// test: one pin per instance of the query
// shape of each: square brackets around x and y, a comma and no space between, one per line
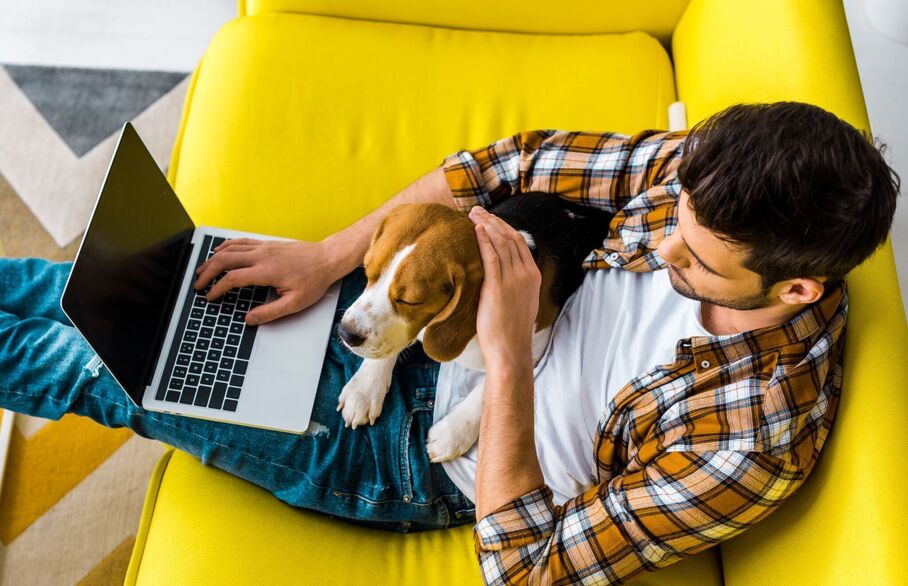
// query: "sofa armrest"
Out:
[848,523]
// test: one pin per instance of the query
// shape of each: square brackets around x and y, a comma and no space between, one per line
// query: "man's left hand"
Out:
[509,298]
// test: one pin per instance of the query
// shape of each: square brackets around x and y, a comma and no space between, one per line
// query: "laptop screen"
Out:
[124,279]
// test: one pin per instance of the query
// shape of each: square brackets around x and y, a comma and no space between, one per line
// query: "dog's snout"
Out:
[350,337]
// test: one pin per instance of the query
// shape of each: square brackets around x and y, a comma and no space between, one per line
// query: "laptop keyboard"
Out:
[210,352]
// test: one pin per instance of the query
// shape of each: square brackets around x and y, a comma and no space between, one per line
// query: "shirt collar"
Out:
[826,315]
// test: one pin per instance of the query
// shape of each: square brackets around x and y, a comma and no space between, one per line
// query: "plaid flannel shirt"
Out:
[689,453]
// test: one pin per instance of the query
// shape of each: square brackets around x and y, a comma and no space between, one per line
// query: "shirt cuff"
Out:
[465,180]
[523,521]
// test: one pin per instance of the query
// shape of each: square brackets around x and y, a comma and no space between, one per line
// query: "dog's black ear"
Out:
[450,331]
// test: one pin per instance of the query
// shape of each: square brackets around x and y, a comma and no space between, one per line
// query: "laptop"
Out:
[130,296]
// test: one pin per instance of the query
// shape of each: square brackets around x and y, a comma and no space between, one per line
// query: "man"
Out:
[756,215]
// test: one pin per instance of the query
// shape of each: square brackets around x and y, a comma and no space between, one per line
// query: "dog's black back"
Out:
[564,233]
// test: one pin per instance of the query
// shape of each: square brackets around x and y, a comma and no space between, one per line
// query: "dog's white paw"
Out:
[453,436]
[361,400]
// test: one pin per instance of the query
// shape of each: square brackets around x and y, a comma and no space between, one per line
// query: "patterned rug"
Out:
[73,490]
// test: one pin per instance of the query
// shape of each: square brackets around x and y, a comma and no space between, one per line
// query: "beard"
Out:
[682,287]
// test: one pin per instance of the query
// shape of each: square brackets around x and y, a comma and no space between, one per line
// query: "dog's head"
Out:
[424,270]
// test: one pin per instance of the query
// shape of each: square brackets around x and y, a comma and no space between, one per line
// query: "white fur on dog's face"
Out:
[372,316]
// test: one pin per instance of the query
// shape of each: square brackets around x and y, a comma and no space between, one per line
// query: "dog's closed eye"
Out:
[404,302]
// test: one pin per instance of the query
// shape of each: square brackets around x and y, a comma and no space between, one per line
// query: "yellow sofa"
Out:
[303,115]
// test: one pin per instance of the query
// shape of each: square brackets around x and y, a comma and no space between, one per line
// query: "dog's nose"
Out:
[351,338]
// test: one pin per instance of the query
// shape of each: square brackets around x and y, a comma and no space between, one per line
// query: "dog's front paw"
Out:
[452,436]
[361,401]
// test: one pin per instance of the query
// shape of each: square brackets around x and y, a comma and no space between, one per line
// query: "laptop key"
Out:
[242,305]
[217,395]
[206,332]
[199,355]
[220,332]
[223,376]
[214,355]
[173,396]
[217,343]
[230,297]
[183,359]
[195,368]
[207,379]
[260,294]
[233,339]
[230,351]
[233,392]
[176,384]
[236,380]
[197,313]
[194,324]
[201,397]
[202,344]
[239,316]
[211,367]
[190,336]
[188,395]
[224,320]
[236,328]
[186,347]
[210,321]
[227,363]
[199,302]
[245,350]
[212,308]
[179,371]
[230,405]
[239,366]
[192,380]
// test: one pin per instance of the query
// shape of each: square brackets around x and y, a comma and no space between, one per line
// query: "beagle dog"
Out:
[424,272]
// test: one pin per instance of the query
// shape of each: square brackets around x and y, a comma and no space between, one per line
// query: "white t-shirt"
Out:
[617,325]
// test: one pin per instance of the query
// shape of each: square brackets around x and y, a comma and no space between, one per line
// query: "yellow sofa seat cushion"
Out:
[298,125]
[201,525]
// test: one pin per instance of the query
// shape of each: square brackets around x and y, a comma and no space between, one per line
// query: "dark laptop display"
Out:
[132,255]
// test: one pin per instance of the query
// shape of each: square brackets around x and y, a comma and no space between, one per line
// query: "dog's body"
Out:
[424,273]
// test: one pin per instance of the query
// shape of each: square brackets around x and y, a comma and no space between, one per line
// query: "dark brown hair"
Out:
[802,191]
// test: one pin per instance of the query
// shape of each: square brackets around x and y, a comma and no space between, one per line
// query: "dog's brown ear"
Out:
[448,333]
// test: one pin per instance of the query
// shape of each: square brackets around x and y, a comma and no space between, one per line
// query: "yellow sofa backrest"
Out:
[656,17]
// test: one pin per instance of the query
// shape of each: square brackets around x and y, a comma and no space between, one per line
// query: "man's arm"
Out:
[606,170]
[303,270]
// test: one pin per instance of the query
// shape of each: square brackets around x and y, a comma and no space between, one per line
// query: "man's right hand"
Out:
[299,271]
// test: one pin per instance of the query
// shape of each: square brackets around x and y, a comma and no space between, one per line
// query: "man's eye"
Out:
[701,267]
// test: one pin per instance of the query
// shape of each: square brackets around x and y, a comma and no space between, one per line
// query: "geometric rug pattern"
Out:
[73,489]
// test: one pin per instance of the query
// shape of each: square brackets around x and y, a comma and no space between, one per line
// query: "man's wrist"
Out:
[341,254]
[509,366]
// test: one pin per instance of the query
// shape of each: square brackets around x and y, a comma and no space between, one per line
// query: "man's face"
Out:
[704,267]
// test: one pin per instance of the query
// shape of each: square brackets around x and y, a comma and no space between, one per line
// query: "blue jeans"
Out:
[375,475]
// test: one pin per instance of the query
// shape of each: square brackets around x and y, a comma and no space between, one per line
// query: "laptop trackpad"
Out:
[274,347]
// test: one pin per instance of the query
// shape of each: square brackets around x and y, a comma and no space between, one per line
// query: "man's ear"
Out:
[448,333]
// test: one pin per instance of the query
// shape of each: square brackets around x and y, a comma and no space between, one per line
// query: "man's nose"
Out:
[670,250]
[350,337]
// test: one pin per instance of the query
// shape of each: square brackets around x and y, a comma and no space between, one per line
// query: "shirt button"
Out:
[704,364]
[407,498]
[430,403]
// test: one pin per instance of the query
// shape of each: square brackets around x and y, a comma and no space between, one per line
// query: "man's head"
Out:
[779,201]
